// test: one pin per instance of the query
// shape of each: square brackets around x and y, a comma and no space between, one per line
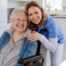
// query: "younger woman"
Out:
[46,31]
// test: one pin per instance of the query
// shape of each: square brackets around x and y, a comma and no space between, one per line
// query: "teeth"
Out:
[20,26]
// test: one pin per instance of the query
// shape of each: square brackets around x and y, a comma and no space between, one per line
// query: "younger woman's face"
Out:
[34,14]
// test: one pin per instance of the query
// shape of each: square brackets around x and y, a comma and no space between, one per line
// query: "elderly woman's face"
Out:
[34,14]
[19,22]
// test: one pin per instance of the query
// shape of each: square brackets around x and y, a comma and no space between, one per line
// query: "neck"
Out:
[19,33]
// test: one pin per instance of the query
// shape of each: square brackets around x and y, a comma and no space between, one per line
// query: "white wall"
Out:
[14,4]
[61,21]
[64,1]
[3,15]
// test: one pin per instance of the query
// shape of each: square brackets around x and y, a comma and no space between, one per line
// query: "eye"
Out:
[36,12]
[24,20]
[17,19]
[30,14]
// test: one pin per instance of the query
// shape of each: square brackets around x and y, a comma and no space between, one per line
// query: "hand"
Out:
[34,36]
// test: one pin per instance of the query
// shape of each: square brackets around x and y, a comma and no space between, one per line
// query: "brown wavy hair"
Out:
[44,16]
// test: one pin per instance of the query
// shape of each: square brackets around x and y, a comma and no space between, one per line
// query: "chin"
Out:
[36,23]
[22,31]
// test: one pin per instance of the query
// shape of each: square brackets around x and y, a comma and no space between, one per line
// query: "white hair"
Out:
[16,10]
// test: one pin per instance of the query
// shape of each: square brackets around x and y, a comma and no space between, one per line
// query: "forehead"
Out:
[34,8]
[20,15]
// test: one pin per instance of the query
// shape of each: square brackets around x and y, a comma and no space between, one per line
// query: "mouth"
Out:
[21,26]
[35,19]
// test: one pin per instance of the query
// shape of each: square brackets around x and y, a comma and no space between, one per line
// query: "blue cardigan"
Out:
[29,48]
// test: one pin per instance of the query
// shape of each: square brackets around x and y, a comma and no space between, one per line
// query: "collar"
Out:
[11,30]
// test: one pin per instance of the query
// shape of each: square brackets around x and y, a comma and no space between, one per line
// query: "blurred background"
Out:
[55,8]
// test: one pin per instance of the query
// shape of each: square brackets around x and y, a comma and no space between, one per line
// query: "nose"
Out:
[34,16]
[20,22]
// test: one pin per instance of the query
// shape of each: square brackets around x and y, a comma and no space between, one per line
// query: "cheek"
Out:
[14,24]
[25,25]
[40,16]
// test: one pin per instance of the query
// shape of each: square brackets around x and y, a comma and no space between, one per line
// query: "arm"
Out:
[52,30]
[50,44]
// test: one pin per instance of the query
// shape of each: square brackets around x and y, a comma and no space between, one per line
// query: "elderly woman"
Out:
[13,43]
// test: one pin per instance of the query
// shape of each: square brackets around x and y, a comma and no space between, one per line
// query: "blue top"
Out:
[51,30]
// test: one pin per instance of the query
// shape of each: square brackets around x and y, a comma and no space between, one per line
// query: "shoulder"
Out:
[51,24]
[5,37]
[5,34]
[49,18]
[52,27]
[50,21]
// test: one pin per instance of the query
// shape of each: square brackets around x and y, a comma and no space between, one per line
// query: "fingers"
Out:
[33,32]
[33,36]
[30,37]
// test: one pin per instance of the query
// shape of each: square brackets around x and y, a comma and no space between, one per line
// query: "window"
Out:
[53,4]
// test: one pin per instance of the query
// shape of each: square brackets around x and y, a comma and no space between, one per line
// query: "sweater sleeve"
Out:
[51,41]
[50,44]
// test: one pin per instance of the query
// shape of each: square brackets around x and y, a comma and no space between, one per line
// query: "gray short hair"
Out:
[16,10]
